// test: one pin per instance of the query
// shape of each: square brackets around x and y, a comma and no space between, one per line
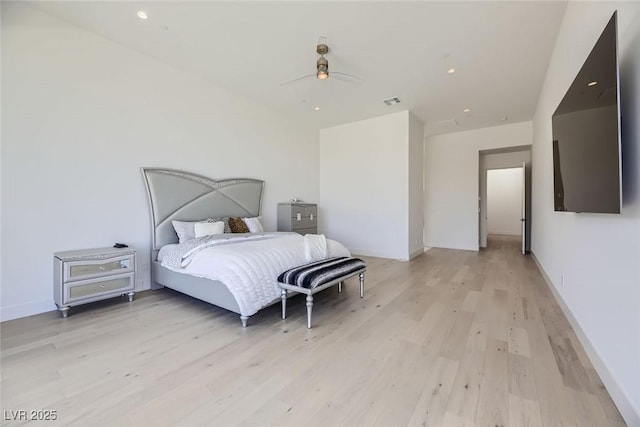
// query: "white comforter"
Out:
[250,264]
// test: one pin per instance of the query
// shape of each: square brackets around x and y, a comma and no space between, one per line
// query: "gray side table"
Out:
[298,217]
[84,276]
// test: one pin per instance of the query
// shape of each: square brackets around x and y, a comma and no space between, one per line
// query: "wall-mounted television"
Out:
[587,170]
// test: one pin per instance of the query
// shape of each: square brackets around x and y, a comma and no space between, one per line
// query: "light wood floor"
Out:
[453,338]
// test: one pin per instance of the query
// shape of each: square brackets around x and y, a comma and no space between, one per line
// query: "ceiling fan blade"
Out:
[345,77]
[299,78]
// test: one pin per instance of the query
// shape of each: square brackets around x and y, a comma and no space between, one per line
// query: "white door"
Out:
[524,210]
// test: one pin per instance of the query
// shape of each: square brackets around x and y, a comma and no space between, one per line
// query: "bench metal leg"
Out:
[283,297]
[309,308]
[244,319]
[339,286]
[361,285]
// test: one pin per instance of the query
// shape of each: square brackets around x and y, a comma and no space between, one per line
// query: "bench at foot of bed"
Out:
[317,276]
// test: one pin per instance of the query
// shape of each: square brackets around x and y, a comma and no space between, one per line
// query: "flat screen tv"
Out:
[587,170]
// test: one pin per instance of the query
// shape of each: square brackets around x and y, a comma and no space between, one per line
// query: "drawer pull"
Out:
[102,286]
[101,268]
[311,217]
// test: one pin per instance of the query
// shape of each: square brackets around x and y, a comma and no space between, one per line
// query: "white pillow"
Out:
[208,228]
[184,230]
[253,224]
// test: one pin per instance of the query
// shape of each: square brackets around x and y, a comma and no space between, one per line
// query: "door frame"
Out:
[507,158]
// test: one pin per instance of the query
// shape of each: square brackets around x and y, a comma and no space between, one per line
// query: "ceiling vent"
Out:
[392,101]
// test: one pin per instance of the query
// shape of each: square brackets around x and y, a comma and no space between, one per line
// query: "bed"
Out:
[176,195]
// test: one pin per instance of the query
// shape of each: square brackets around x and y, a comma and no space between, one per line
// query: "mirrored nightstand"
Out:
[91,275]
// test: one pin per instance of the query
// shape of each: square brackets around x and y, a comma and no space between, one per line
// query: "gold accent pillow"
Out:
[237,225]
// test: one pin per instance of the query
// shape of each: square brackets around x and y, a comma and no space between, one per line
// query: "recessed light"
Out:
[142,14]
[466,110]
[451,70]
[316,108]
[593,83]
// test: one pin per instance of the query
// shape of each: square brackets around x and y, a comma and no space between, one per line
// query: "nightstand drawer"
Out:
[310,212]
[297,210]
[84,289]
[85,269]
[303,223]
[304,231]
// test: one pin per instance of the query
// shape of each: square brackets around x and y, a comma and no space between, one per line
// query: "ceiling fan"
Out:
[322,67]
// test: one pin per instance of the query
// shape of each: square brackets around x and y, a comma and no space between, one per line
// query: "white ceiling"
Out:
[500,51]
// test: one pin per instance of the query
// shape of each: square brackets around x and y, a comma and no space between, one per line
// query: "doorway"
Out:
[505,206]
[519,159]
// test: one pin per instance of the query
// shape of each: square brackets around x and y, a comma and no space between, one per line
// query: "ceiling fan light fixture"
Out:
[322,48]
[323,68]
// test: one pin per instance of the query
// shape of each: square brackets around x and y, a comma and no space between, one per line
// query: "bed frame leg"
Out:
[309,308]
[339,287]
[361,285]
[283,297]
[244,319]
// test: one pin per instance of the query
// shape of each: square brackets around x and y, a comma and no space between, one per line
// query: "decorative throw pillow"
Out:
[184,230]
[227,228]
[238,226]
[253,224]
[208,228]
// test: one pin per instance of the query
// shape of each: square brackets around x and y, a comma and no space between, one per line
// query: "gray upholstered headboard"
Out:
[184,196]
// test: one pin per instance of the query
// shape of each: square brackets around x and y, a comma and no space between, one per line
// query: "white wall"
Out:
[452,182]
[81,115]
[593,260]
[504,201]
[364,191]
[416,186]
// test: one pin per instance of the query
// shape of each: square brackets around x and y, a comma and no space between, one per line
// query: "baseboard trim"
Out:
[364,252]
[457,248]
[416,253]
[627,409]
[17,311]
